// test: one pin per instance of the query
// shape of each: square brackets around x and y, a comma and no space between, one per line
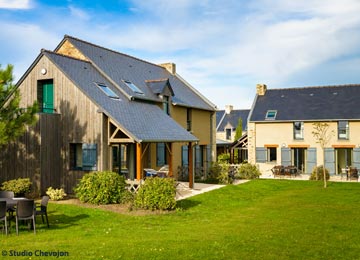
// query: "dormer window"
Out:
[133,87]
[166,105]
[107,90]
[271,115]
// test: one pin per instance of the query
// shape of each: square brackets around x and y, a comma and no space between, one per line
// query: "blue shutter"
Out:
[184,155]
[208,156]
[311,160]
[356,158]
[198,157]
[329,154]
[285,156]
[260,154]
[160,154]
[89,157]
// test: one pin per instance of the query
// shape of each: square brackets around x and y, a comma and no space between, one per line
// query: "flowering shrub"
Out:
[55,194]
[19,186]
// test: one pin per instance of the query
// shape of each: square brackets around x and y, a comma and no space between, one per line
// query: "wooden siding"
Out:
[68,49]
[78,122]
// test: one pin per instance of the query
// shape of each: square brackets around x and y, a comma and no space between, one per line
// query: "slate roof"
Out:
[223,119]
[142,121]
[121,67]
[309,103]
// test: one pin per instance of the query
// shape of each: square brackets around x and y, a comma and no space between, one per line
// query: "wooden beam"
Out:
[139,168]
[169,147]
[191,166]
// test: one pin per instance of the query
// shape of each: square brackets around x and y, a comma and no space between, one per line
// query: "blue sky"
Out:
[222,47]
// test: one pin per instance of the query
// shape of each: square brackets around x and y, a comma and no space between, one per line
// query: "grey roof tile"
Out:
[143,121]
[223,119]
[309,103]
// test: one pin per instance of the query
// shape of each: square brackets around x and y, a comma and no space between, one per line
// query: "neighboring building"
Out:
[226,123]
[104,110]
[281,124]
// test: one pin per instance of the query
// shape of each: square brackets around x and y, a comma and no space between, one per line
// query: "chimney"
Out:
[171,67]
[260,89]
[228,109]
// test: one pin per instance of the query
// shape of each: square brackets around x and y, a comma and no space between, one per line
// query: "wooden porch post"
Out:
[170,160]
[191,166]
[138,161]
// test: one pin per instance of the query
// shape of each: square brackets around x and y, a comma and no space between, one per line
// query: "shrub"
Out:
[247,171]
[19,186]
[101,188]
[156,193]
[320,174]
[223,158]
[55,194]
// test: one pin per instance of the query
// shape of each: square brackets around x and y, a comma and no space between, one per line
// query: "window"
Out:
[166,105]
[133,87]
[271,114]
[83,157]
[107,90]
[45,96]
[299,130]
[188,119]
[271,154]
[228,133]
[160,154]
[343,130]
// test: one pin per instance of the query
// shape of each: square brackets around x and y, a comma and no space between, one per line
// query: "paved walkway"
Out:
[183,191]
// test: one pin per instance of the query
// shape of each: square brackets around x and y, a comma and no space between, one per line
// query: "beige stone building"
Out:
[281,122]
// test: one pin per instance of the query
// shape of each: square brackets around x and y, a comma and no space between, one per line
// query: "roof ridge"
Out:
[111,50]
[317,87]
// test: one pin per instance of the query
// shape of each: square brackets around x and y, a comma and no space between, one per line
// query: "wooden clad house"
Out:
[104,110]
[281,124]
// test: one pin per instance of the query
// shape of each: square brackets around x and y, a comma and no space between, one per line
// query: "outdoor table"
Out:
[11,202]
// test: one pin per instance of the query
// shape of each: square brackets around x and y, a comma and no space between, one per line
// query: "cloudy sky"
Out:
[222,47]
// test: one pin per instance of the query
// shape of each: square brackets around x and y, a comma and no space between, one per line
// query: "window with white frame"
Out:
[298,130]
[343,130]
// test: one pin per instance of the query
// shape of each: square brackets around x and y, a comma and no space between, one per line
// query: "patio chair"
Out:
[8,195]
[25,211]
[3,217]
[42,209]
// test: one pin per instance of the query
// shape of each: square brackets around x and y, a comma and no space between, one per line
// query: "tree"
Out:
[13,118]
[323,136]
[238,131]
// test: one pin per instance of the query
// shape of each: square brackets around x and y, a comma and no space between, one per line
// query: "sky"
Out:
[223,48]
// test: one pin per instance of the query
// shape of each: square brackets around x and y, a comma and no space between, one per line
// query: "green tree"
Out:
[323,136]
[238,131]
[13,118]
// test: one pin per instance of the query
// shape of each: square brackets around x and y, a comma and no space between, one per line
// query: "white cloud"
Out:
[15,4]
[78,13]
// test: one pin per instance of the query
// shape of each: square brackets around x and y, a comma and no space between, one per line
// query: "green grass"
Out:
[261,219]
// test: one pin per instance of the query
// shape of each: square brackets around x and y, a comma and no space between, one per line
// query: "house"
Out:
[281,121]
[226,123]
[104,110]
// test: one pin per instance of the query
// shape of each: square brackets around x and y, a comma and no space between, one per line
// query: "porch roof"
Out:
[141,121]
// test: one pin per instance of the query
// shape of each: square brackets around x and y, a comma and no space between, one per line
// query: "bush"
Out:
[156,193]
[223,158]
[19,186]
[319,171]
[247,171]
[101,188]
[55,194]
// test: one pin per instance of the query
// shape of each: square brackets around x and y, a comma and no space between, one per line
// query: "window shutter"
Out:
[356,158]
[89,157]
[330,160]
[184,155]
[160,154]
[311,160]
[285,156]
[260,154]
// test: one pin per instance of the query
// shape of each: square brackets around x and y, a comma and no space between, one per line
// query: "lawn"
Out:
[261,219]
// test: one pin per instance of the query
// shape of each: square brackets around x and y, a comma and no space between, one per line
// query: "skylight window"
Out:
[133,87]
[107,90]
[271,114]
